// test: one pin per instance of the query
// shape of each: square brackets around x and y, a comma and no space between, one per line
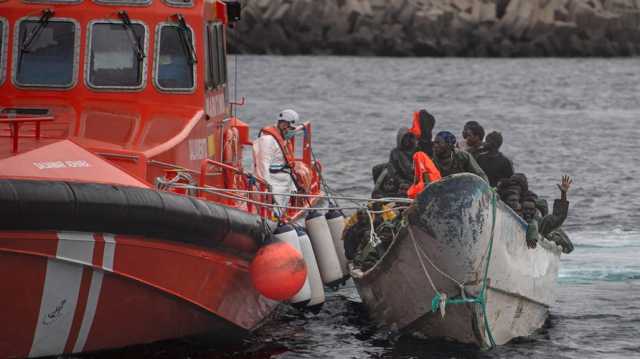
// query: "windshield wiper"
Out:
[33,35]
[135,40]
[185,37]
[47,14]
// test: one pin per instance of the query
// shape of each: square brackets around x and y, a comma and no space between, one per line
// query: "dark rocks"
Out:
[505,28]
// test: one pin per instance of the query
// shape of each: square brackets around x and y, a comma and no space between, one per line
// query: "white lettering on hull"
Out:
[61,164]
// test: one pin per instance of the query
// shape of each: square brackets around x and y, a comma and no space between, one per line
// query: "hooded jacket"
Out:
[422,128]
[401,159]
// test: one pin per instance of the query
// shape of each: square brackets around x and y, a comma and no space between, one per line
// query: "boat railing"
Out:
[16,119]
[237,179]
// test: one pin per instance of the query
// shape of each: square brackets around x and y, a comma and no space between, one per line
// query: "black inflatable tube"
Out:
[90,207]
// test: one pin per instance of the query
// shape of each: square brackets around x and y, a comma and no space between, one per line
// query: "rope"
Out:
[373,236]
[440,299]
[424,268]
[269,205]
[291,194]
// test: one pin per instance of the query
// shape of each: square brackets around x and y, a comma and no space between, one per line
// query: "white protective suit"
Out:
[267,153]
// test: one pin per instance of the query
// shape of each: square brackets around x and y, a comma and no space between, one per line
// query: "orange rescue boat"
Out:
[114,122]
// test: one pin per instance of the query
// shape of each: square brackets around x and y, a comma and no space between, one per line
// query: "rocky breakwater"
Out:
[440,27]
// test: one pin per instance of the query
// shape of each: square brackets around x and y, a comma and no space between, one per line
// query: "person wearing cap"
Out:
[496,165]
[451,160]
[273,156]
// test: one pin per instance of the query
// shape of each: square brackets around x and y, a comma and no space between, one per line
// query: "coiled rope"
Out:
[440,299]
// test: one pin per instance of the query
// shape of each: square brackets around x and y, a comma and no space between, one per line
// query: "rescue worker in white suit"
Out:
[273,156]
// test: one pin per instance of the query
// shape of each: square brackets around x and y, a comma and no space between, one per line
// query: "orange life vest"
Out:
[285,146]
[422,164]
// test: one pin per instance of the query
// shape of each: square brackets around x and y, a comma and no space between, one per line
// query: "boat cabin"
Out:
[139,83]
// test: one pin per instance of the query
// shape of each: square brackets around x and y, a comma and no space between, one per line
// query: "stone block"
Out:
[360,7]
[405,15]
[631,20]
[483,12]
[464,5]
[264,4]
[378,4]
[275,6]
[593,23]
[620,6]
[280,13]
[516,20]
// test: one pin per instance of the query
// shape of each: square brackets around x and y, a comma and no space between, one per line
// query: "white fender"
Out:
[323,247]
[313,272]
[288,234]
[335,219]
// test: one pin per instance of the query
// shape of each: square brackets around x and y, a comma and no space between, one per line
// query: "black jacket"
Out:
[496,166]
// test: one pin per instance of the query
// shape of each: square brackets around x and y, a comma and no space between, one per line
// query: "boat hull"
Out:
[452,233]
[70,292]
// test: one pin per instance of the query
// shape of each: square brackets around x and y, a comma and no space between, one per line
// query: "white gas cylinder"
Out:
[313,272]
[335,220]
[326,256]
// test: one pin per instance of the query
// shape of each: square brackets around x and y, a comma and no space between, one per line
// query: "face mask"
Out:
[289,135]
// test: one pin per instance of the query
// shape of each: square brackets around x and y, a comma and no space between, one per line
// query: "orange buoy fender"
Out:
[278,271]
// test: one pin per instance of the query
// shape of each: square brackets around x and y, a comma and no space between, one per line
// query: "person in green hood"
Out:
[396,177]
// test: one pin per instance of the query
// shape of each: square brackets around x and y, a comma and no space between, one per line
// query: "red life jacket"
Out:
[285,146]
[422,164]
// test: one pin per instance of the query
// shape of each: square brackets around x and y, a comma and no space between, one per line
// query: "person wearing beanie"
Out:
[451,160]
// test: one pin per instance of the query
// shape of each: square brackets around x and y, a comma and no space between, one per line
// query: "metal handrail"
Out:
[261,184]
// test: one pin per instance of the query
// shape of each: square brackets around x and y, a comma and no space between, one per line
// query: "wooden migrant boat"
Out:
[114,119]
[461,270]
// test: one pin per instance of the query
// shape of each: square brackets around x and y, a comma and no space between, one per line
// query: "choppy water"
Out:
[557,116]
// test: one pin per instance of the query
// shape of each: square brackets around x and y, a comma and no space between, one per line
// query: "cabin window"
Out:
[124,2]
[117,55]
[216,60]
[175,58]
[3,48]
[53,1]
[179,3]
[45,52]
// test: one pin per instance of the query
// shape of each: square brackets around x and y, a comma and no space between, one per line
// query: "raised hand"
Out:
[566,184]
